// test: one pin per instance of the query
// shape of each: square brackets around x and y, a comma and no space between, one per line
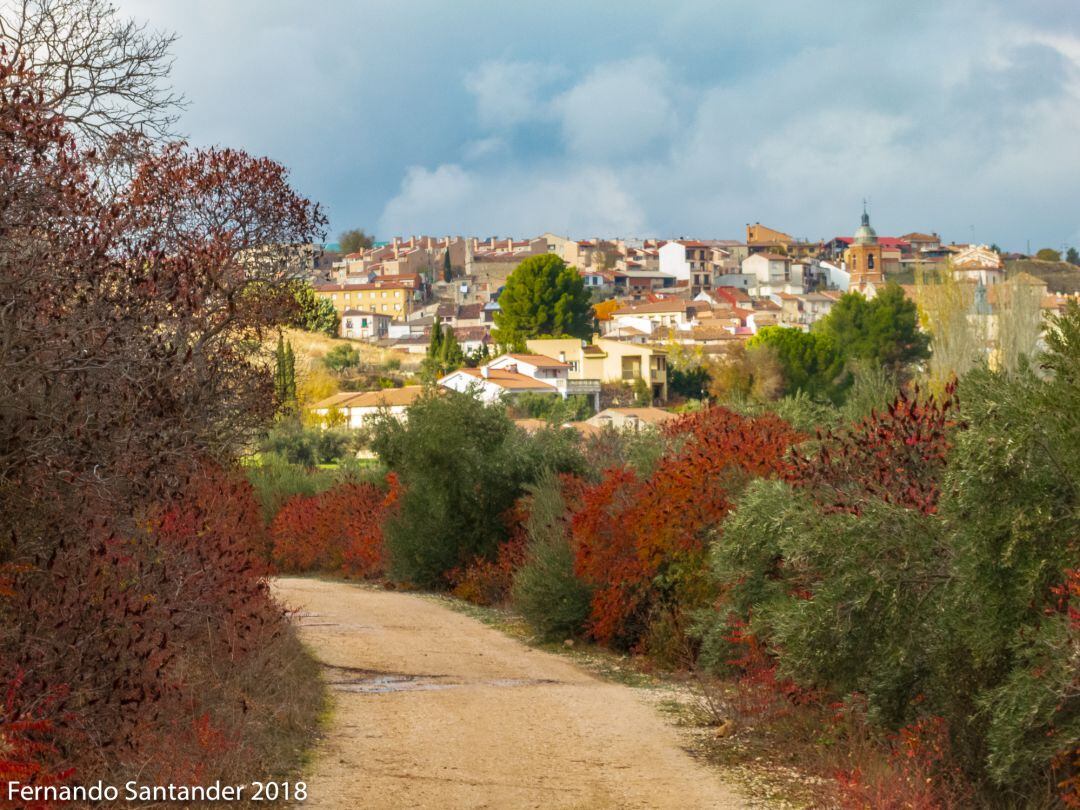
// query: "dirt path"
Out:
[433,709]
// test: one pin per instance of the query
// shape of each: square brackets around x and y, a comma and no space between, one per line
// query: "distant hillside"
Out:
[1059,276]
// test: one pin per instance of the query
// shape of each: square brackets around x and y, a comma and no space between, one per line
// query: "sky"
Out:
[661,119]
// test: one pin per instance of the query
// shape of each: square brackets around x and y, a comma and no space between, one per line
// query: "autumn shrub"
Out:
[275,481]
[488,581]
[336,531]
[182,642]
[138,638]
[546,591]
[640,542]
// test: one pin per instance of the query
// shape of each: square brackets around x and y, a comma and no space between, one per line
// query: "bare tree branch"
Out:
[108,76]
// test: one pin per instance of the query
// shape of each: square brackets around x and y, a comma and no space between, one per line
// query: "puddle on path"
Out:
[376,682]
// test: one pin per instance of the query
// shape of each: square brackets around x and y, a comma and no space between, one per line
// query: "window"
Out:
[397,306]
[384,294]
[870,261]
[573,365]
[384,307]
[363,323]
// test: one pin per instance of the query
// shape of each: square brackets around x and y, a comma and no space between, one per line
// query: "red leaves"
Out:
[112,635]
[896,456]
[918,772]
[337,530]
[627,531]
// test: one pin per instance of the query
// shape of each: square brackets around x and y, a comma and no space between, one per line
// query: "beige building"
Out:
[383,297]
[978,263]
[610,361]
[631,418]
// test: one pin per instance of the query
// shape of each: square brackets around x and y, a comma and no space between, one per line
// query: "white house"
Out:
[511,374]
[773,274]
[673,261]
[363,325]
[357,408]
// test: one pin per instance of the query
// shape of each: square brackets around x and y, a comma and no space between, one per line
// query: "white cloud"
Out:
[508,93]
[485,148]
[578,200]
[619,110]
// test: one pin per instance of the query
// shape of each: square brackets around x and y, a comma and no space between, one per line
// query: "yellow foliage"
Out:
[604,309]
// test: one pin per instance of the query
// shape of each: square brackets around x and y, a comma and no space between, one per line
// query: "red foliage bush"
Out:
[339,530]
[640,543]
[488,582]
[759,691]
[896,456]
[916,772]
[93,689]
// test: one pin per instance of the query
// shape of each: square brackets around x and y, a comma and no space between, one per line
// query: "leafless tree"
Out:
[108,76]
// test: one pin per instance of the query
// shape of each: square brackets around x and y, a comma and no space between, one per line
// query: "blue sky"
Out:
[681,118]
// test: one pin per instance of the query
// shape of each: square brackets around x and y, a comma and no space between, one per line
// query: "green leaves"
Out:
[883,330]
[542,298]
[812,363]
[314,313]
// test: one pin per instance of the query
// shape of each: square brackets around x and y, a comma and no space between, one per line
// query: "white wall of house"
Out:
[839,277]
[364,325]
[765,269]
[488,392]
[673,260]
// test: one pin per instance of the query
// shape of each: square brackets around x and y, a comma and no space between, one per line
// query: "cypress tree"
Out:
[450,354]
[448,272]
[435,346]
[279,370]
[289,377]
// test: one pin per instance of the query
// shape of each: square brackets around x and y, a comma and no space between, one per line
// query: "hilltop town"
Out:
[649,297]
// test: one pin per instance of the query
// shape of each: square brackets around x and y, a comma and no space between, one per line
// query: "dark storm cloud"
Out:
[686,117]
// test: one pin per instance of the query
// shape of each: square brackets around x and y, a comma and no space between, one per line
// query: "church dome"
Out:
[865,235]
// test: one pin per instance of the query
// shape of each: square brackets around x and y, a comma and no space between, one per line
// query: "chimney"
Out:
[397,242]
[412,241]
[485,372]
[493,243]
[510,244]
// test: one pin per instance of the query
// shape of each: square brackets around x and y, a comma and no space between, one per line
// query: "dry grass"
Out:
[313,381]
[311,347]
[1059,276]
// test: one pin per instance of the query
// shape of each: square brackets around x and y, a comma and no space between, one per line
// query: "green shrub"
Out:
[462,466]
[554,409]
[546,592]
[341,358]
[275,480]
[963,608]
[307,446]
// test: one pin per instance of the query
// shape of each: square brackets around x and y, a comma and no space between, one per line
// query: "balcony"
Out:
[582,387]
